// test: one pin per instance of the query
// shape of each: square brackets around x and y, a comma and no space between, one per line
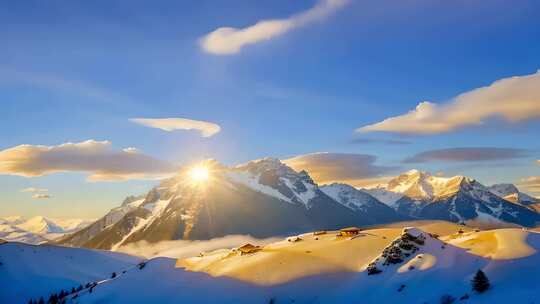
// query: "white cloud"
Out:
[94,157]
[41,196]
[513,99]
[229,40]
[207,129]
[34,190]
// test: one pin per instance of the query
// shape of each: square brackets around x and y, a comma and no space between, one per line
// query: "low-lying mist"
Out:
[184,249]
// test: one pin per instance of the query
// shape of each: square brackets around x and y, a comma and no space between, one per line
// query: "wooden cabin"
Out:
[248,248]
[294,239]
[350,231]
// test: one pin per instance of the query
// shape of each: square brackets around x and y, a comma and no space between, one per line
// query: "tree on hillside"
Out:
[480,282]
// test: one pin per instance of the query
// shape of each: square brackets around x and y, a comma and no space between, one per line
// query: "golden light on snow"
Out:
[199,174]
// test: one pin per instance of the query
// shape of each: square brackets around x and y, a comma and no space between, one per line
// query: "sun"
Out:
[199,174]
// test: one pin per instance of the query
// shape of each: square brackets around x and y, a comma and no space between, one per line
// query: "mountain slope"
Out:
[261,198]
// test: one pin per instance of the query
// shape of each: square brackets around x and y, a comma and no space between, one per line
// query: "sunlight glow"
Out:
[199,174]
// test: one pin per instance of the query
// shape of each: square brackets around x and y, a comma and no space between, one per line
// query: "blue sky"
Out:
[72,71]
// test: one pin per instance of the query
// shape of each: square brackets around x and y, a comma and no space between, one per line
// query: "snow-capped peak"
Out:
[511,193]
[349,196]
[266,164]
[418,184]
[40,225]
[272,177]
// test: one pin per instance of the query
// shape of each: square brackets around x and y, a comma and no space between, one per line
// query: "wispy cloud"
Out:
[41,196]
[34,190]
[94,157]
[339,167]
[380,141]
[513,99]
[469,154]
[206,128]
[230,40]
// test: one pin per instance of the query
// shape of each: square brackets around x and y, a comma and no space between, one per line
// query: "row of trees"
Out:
[60,297]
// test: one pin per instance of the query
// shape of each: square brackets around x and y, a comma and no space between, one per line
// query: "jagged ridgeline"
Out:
[261,198]
[267,198]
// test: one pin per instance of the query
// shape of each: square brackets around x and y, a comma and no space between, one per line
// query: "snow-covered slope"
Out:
[332,269]
[262,198]
[459,199]
[30,271]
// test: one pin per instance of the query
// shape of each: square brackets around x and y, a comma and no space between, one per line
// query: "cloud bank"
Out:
[531,183]
[466,155]
[207,129]
[41,196]
[34,190]
[94,157]
[184,249]
[380,141]
[229,40]
[513,99]
[355,169]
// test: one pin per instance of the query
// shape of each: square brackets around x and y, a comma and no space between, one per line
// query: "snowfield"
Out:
[324,268]
[31,271]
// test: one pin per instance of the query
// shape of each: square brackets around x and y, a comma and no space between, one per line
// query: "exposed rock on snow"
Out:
[408,243]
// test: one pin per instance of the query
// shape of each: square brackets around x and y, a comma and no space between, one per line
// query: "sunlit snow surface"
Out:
[331,269]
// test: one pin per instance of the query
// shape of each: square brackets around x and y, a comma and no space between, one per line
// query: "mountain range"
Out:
[267,198]
[38,229]
[457,199]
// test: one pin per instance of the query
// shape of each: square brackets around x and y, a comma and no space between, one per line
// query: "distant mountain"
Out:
[261,198]
[15,234]
[459,199]
[361,202]
[37,229]
[40,225]
[511,193]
